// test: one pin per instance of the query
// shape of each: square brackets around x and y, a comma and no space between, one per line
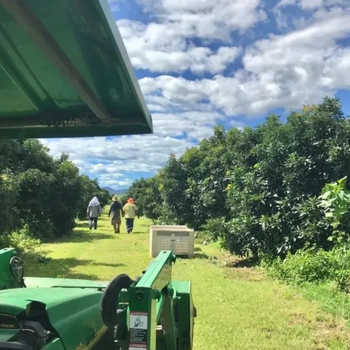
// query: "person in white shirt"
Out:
[93,212]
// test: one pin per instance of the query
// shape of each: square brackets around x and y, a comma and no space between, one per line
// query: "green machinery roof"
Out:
[64,72]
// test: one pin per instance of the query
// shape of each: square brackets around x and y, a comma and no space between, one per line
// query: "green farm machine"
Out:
[151,312]
[64,72]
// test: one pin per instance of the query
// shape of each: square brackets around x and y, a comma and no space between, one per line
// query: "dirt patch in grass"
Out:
[239,268]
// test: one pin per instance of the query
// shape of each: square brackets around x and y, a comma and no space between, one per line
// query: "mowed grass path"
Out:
[238,308]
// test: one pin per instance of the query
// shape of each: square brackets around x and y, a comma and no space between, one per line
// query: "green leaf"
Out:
[342,182]
[335,224]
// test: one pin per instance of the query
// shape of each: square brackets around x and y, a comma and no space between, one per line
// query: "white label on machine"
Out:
[138,330]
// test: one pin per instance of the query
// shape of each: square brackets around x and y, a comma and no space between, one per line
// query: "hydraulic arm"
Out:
[153,312]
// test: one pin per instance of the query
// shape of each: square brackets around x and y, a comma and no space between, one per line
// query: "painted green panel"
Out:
[59,60]
[11,98]
[6,279]
[73,312]
[38,282]
[56,344]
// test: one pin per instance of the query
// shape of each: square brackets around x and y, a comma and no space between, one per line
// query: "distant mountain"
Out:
[113,191]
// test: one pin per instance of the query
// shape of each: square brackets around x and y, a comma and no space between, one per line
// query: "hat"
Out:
[130,200]
[114,198]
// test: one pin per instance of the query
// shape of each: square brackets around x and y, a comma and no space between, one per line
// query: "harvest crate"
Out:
[178,239]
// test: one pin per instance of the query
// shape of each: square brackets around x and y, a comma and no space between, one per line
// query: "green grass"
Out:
[238,308]
[332,300]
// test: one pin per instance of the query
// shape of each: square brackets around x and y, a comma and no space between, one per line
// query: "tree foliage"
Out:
[91,188]
[258,189]
[150,202]
[39,193]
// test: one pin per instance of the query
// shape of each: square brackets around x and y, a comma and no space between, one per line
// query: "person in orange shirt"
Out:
[130,212]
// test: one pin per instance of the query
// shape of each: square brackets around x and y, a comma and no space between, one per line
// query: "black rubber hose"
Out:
[109,300]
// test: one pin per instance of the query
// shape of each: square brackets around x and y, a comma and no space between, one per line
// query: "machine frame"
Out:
[151,313]
[65,72]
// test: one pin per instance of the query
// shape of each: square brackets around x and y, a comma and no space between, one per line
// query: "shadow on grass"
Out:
[82,224]
[107,264]
[81,235]
[201,256]
[248,262]
[39,265]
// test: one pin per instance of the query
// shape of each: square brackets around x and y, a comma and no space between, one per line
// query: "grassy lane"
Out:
[238,308]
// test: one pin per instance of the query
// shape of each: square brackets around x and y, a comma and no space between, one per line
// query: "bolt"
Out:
[157,294]
[139,295]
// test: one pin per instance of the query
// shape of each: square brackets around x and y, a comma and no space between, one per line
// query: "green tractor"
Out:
[64,72]
[151,312]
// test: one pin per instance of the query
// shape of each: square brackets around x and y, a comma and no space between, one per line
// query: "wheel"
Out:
[109,300]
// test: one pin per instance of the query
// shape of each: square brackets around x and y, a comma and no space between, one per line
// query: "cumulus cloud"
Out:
[162,48]
[284,3]
[312,4]
[167,43]
[114,4]
[194,125]
[286,70]
[210,19]
[113,158]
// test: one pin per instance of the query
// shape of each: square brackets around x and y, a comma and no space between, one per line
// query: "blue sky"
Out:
[206,62]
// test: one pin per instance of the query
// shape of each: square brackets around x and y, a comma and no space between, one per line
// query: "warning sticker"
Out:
[136,347]
[138,330]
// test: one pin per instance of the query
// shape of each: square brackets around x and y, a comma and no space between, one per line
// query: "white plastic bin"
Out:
[178,239]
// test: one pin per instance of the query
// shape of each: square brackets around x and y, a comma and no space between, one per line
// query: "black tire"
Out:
[109,300]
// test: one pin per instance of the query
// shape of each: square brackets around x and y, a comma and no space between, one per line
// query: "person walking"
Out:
[93,212]
[130,211]
[115,214]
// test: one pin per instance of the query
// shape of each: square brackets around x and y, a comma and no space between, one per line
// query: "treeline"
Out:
[41,194]
[260,189]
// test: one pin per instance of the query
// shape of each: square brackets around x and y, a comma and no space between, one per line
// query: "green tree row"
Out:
[40,192]
[258,188]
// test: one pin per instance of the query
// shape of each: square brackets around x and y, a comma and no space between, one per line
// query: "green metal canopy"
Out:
[64,72]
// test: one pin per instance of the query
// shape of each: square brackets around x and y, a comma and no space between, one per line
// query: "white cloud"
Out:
[280,18]
[210,19]
[104,169]
[114,4]
[109,180]
[167,43]
[284,3]
[312,4]
[196,125]
[177,90]
[162,48]
[112,158]
[281,71]
[300,67]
